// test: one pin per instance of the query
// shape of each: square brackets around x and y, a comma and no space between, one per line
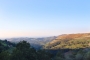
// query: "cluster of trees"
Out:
[80,54]
[23,51]
[6,45]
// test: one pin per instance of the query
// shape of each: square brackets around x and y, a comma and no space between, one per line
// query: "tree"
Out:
[24,51]
[59,56]
[43,55]
[5,55]
[87,56]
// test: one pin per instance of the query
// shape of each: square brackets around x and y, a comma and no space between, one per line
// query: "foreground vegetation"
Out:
[23,51]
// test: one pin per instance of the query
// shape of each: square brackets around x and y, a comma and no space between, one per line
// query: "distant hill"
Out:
[35,42]
[69,41]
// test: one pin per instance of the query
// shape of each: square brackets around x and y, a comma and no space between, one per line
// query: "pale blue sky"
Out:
[37,18]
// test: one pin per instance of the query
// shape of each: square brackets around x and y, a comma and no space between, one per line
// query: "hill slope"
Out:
[70,41]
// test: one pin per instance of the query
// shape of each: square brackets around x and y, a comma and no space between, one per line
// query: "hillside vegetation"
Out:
[37,43]
[70,41]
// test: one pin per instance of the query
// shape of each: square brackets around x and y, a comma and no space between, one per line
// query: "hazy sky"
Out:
[37,18]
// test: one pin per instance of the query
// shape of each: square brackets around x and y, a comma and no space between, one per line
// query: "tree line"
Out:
[23,51]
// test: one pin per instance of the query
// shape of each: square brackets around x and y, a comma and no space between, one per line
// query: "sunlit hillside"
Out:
[70,41]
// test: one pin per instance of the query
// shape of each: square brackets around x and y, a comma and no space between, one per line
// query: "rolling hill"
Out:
[70,41]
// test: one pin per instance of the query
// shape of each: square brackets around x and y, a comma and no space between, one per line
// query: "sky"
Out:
[41,18]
